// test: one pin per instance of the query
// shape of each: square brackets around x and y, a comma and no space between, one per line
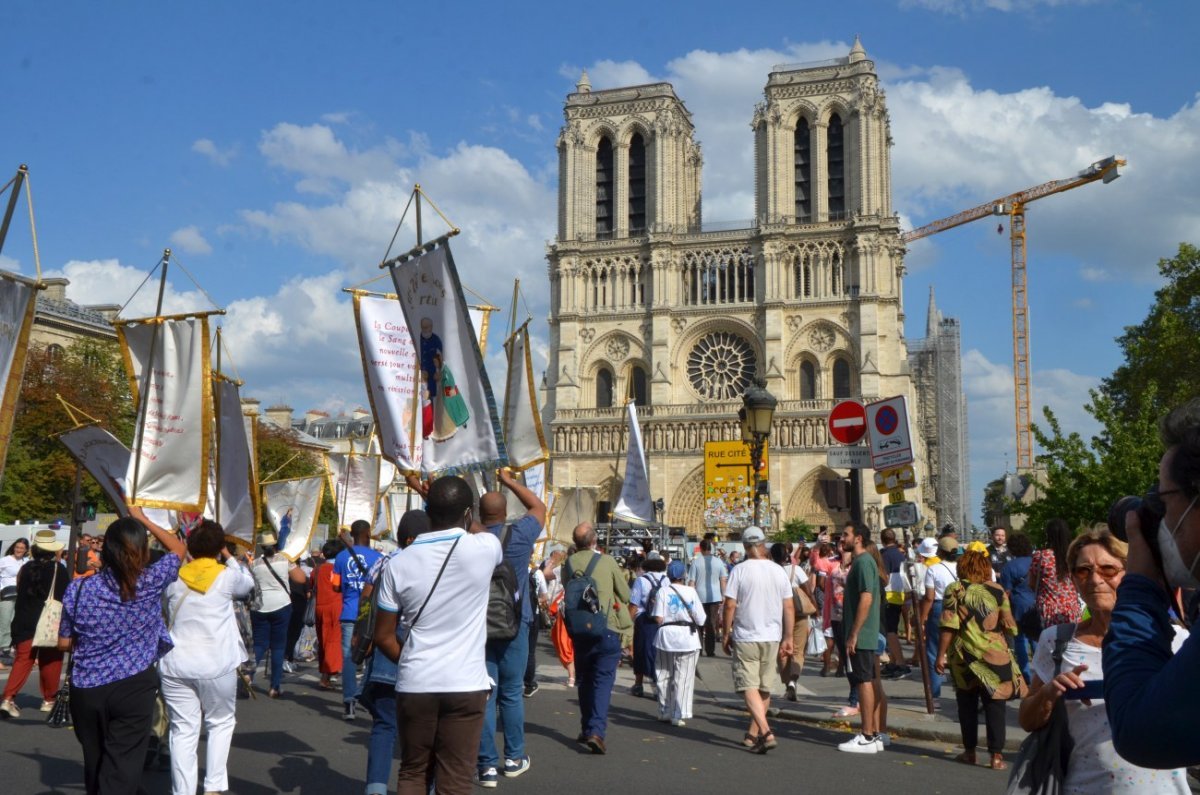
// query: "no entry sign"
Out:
[848,422]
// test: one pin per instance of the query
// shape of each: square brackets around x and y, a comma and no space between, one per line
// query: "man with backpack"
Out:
[351,574]
[595,608]
[511,611]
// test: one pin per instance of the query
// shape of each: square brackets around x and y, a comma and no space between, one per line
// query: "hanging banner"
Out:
[354,483]
[635,504]
[462,433]
[572,505]
[230,502]
[103,457]
[173,433]
[523,435]
[392,506]
[17,304]
[390,369]
[534,479]
[250,424]
[292,507]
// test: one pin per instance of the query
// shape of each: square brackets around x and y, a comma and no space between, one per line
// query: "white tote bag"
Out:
[45,636]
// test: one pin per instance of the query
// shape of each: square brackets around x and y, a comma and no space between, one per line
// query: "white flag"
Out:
[354,483]
[250,423]
[635,504]
[390,368]
[523,435]
[103,457]
[292,507]
[173,434]
[230,501]
[462,431]
[17,304]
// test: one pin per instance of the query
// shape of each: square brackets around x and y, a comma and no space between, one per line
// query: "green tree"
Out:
[793,531]
[281,457]
[39,476]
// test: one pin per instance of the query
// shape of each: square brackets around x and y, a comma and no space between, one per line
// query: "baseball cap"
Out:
[928,548]
[948,544]
[753,535]
[676,570]
[654,554]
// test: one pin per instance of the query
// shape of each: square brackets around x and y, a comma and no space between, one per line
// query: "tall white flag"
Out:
[390,368]
[635,504]
[230,499]
[172,439]
[354,483]
[522,421]
[292,507]
[17,304]
[461,432]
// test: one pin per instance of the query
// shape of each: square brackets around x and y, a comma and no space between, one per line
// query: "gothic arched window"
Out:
[637,386]
[605,195]
[841,378]
[803,169]
[835,157]
[604,388]
[808,381]
[637,184]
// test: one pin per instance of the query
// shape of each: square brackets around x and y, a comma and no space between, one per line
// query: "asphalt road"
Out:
[299,744]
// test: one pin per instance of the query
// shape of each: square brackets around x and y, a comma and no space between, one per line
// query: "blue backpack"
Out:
[581,602]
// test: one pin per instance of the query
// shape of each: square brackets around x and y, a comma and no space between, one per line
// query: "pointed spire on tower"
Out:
[584,86]
[857,53]
[934,319]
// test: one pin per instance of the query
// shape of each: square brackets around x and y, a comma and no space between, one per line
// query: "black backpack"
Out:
[503,610]
[581,607]
[653,595]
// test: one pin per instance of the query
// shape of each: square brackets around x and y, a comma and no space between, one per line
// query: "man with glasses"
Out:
[1153,697]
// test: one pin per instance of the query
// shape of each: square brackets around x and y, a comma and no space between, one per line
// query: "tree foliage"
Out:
[39,476]
[794,530]
[281,457]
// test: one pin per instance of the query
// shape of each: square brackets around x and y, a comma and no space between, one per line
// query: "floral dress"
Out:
[979,656]
[1057,600]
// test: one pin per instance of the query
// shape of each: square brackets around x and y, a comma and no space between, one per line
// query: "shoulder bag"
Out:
[45,636]
[60,713]
[256,598]
[1041,764]
[803,603]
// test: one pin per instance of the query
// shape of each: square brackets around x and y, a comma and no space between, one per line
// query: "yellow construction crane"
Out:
[1013,206]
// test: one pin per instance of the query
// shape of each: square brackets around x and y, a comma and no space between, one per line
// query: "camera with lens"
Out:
[1149,512]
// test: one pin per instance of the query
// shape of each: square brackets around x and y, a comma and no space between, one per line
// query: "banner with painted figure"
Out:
[572,505]
[103,457]
[354,484]
[461,432]
[230,500]
[523,435]
[292,507]
[390,369]
[635,504]
[18,299]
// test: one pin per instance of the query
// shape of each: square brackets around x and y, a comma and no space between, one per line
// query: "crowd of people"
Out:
[1085,635]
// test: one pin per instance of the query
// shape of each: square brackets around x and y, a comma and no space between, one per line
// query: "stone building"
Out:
[59,322]
[936,364]
[650,302]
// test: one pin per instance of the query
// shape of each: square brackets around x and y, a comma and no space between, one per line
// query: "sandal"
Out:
[769,740]
[749,740]
[998,762]
[967,758]
[760,746]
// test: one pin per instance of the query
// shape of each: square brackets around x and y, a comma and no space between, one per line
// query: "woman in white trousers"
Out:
[199,676]
[680,616]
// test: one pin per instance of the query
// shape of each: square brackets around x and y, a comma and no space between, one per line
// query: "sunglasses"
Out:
[1106,571]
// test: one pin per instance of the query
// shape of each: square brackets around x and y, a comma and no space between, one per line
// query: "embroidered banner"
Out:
[635,504]
[230,500]
[17,304]
[390,369]
[292,507]
[523,435]
[172,439]
[354,483]
[460,429]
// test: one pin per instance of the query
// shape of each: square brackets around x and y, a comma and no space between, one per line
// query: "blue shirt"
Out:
[1015,579]
[706,571]
[1152,697]
[352,579]
[517,551]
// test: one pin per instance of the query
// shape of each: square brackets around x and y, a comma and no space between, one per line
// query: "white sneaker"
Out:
[288,668]
[7,707]
[47,706]
[884,738]
[678,722]
[858,744]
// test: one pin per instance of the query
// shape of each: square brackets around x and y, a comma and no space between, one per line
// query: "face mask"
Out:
[1178,574]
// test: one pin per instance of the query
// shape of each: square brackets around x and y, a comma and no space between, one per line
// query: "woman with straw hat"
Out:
[42,577]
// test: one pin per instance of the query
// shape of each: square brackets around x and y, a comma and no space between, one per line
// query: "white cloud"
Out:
[107,281]
[322,160]
[7,263]
[221,157]
[341,117]
[190,240]
[961,7]
[1092,274]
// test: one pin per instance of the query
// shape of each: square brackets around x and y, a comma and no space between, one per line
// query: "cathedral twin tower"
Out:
[651,303]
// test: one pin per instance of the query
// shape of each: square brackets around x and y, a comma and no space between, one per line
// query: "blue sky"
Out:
[272,146]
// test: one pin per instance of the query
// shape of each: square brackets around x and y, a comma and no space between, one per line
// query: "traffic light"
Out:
[85,512]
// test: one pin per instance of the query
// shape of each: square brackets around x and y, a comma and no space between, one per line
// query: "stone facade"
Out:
[58,322]
[649,303]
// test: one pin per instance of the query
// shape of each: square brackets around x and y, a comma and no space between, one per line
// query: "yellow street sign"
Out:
[729,484]
[896,497]
[888,480]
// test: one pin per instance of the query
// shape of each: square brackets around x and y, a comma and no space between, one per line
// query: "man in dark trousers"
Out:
[506,659]
[708,576]
[351,574]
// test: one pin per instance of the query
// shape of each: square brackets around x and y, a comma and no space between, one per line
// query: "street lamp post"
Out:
[756,416]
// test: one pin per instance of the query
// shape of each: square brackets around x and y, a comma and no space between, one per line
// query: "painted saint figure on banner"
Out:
[285,527]
[443,409]
[431,355]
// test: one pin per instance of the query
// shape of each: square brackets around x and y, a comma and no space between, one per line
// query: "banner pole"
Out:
[148,369]
[17,182]
[76,525]
[417,195]
[217,430]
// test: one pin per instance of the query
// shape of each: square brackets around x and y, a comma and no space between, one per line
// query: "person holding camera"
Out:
[1152,695]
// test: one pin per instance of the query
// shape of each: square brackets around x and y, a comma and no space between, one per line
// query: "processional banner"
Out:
[231,485]
[390,369]
[523,435]
[172,438]
[635,504]
[292,507]
[354,483]
[461,432]
[103,457]
[17,304]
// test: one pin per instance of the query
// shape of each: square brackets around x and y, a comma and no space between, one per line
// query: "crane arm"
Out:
[1106,170]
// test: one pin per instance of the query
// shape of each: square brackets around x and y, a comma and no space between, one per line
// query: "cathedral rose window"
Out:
[720,366]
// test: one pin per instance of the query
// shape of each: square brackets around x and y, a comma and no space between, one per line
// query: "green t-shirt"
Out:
[863,578]
[611,587]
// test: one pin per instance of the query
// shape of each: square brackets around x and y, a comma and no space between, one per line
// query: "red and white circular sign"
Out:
[848,422]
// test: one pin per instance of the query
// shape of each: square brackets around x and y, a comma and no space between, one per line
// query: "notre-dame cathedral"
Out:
[652,303]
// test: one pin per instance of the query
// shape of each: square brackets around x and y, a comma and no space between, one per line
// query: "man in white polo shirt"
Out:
[438,589]
[758,620]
